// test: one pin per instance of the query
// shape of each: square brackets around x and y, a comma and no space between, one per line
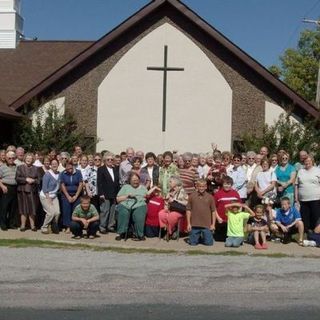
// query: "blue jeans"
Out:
[233,242]
[200,235]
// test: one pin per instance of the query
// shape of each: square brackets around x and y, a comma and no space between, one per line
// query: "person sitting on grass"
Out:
[201,215]
[236,219]
[258,229]
[85,217]
[288,220]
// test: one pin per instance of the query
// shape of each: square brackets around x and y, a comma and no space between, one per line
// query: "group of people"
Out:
[214,196]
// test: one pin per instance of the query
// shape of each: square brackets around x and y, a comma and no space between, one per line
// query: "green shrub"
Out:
[51,130]
[286,134]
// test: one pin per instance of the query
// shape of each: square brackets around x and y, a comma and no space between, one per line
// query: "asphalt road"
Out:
[74,284]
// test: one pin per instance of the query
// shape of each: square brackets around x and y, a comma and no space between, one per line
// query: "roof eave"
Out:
[197,20]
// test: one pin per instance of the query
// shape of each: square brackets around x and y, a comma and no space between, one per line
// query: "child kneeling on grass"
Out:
[288,220]
[236,218]
[258,229]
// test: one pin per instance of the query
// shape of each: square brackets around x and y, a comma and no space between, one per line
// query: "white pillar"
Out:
[11,23]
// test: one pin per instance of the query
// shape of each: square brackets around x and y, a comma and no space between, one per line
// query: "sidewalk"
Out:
[108,241]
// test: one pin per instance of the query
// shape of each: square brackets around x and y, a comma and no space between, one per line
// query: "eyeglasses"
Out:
[109,159]
[274,160]
[187,160]
[250,158]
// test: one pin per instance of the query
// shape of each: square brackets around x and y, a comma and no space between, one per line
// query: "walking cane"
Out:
[130,215]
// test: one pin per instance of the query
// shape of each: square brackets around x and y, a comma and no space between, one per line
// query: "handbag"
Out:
[177,207]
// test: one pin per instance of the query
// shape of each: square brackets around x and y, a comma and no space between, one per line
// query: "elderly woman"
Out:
[274,162]
[64,158]
[265,185]
[27,177]
[45,166]
[215,175]
[49,198]
[253,168]
[227,159]
[167,170]
[202,168]
[180,162]
[151,170]
[308,193]
[71,188]
[168,217]
[286,176]
[132,203]
[83,166]
[91,182]
[189,174]
[144,176]
[239,177]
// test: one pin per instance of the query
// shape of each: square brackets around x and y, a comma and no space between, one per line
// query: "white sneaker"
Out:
[309,243]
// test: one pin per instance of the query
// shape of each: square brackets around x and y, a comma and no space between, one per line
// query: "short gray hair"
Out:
[65,154]
[177,180]
[251,153]
[10,154]
[107,154]
[187,155]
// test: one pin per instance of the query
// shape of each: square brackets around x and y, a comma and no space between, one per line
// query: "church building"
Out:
[163,79]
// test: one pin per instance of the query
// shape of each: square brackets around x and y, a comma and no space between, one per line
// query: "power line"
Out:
[299,26]
[312,8]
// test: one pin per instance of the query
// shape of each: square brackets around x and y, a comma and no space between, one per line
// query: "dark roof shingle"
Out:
[31,62]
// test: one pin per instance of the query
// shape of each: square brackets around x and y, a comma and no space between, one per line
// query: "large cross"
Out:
[165,69]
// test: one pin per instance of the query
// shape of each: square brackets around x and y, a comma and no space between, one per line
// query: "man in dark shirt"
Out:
[201,215]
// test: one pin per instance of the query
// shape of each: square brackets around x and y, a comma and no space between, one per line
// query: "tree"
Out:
[50,129]
[288,135]
[299,67]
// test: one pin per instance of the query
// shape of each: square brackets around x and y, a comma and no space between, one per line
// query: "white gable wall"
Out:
[199,100]
[273,112]
[59,103]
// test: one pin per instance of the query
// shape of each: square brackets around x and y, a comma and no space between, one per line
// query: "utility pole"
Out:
[317,22]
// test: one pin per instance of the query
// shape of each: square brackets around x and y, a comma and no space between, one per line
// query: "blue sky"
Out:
[262,28]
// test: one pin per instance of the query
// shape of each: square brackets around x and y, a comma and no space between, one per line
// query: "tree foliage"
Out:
[286,134]
[49,129]
[299,67]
